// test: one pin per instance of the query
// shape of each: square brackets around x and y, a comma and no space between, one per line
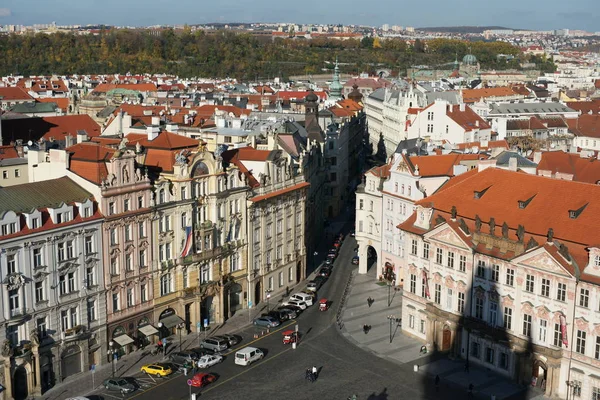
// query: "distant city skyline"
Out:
[533,14]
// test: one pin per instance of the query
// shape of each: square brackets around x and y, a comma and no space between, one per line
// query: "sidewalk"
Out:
[402,349]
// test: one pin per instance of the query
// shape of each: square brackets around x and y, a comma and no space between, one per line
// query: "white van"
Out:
[248,355]
[305,297]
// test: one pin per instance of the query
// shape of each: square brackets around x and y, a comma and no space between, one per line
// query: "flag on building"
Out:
[426,283]
[187,245]
[563,330]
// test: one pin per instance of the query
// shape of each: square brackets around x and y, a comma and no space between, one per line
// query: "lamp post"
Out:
[389,285]
[112,352]
[268,293]
[179,329]
[392,319]
[315,254]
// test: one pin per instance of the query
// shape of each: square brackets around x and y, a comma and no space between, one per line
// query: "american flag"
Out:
[187,246]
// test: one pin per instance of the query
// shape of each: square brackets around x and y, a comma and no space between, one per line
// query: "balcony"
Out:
[18,315]
[74,333]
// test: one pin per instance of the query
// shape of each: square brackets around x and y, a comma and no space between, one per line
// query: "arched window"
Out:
[200,169]
[396,187]
[409,190]
[402,192]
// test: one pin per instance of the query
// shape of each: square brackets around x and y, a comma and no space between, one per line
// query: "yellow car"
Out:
[157,369]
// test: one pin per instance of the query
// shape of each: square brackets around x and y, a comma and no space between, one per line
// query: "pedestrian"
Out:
[437,383]
[466,366]
[164,345]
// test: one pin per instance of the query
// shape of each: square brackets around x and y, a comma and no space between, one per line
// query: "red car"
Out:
[202,379]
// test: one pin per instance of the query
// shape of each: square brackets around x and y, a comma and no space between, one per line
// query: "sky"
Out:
[517,14]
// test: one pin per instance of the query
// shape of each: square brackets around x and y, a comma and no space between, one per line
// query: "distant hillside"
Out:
[461,29]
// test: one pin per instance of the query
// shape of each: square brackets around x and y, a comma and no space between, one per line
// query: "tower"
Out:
[335,89]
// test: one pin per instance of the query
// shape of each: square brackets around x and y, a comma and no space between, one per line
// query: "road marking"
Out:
[231,352]
[114,397]
[246,370]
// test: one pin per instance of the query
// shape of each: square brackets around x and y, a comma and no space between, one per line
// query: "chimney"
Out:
[512,164]
[171,127]
[152,131]
[462,107]
[69,141]
[81,137]
[477,123]
[537,157]
[156,121]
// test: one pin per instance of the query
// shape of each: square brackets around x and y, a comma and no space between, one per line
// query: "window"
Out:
[290,274]
[360,226]
[128,233]
[461,302]
[39,292]
[11,261]
[527,325]
[597,351]
[529,283]
[165,284]
[111,208]
[439,255]
[61,252]
[143,293]
[114,266]
[429,128]
[493,315]
[370,228]
[561,291]
[462,263]
[489,355]
[479,308]
[413,283]
[481,269]
[584,297]
[414,247]
[423,287]
[557,335]
[5,174]
[140,200]
[70,252]
[270,283]
[71,279]
[113,236]
[545,287]
[430,116]
[234,264]
[161,196]
[449,300]
[411,321]
[89,276]
[503,363]
[422,326]
[279,226]
[183,193]
[360,204]
[89,244]
[37,257]
[91,310]
[543,328]
[280,279]
[370,205]
[475,349]
[438,293]
[35,223]
[64,320]
[62,285]
[426,250]
[269,230]
[507,318]
[129,297]
[41,327]
[450,259]
[17,173]
[141,230]
[126,205]
[142,258]
[128,262]
[115,301]
[495,276]
[510,277]
[73,315]
[580,345]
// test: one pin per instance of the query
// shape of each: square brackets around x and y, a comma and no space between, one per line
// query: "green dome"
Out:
[469,59]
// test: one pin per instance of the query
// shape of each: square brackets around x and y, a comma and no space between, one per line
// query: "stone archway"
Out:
[20,387]
[257,293]
[71,361]
[235,298]
[539,372]
[371,257]
[47,375]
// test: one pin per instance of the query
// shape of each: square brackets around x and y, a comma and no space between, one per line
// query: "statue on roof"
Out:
[521,233]
[550,235]
[477,223]
[505,230]
[453,212]
[492,226]
[180,158]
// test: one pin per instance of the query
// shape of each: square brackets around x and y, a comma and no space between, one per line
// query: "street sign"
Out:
[205,321]
[189,382]
[249,304]
[93,368]
[198,325]
[268,295]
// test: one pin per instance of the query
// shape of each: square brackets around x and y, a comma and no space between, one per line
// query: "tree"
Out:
[367,42]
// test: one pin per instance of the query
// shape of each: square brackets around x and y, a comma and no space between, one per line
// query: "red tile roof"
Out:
[61,102]
[474,95]
[468,119]
[437,165]
[382,171]
[207,111]
[585,106]
[140,87]
[585,125]
[299,95]
[164,141]
[62,126]
[279,192]
[13,94]
[491,144]
[582,169]
[88,160]
[8,152]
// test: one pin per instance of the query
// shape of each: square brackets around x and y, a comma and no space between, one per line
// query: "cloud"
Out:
[5,12]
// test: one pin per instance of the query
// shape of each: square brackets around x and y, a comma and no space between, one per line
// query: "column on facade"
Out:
[362,259]
[37,387]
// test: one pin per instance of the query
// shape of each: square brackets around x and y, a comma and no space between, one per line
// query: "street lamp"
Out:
[392,319]
[112,353]
[315,254]
[268,293]
[389,285]
[180,328]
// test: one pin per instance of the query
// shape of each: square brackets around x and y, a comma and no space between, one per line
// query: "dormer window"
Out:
[525,203]
[7,229]
[35,223]
[479,193]
[597,260]
[42,86]
[573,214]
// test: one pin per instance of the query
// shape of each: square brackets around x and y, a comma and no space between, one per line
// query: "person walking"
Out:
[314,372]
[164,345]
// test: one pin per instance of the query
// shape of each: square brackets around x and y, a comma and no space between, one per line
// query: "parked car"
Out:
[269,322]
[292,307]
[202,379]
[325,271]
[209,361]
[288,312]
[328,262]
[312,286]
[278,315]
[297,303]
[306,296]
[181,357]
[353,233]
[118,384]
[232,339]
[320,281]
[157,369]
[204,351]
[355,260]
[215,343]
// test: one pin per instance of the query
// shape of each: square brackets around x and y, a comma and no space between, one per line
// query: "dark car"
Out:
[274,314]
[181,357]
[120,384]
[355,260]
[320,280]
[204,351]
[232,339]
[325,272]
[288,312]
[294,308]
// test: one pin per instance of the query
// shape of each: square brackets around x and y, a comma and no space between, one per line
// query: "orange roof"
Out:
[437,165]
[582,169]
[208,110]
[585,106]
[585,125]
[88,160]
[468,119]
[61,102]
[382,171]
[491,144]
[14,93]
[474,95]
[280,192]
[164,141]
[8,152]
[299,95]
[140,87]
[251,154]
[349,105]
[61,126]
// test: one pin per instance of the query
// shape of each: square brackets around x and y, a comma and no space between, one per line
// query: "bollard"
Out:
[416,368]
[294,345]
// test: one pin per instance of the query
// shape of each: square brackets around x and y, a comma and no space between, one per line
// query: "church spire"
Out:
[335,89]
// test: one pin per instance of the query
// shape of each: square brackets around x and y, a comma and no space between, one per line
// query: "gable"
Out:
[541,260]
[445,234]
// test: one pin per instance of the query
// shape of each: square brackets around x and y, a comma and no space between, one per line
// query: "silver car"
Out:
[216,344]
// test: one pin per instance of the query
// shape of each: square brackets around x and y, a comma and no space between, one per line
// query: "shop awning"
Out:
[171,321]
[148,330]
[123,340]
